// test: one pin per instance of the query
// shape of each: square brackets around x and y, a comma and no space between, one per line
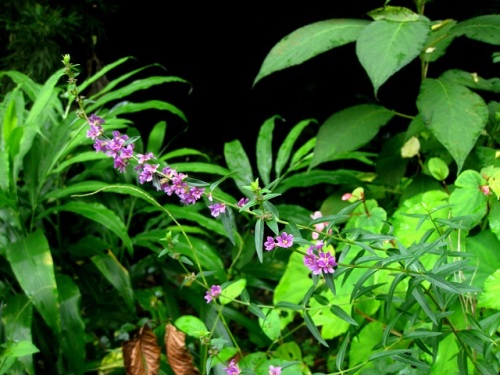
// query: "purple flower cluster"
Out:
[323,262]
[170,181]
[283,240]
[232,368]
[274,370]
[217,208]
[214,292]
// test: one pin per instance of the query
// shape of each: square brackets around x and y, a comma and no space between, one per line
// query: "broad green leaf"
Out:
[72,324]
[489,297]
[102,215]
[191,325]
[286,147]
[294,283]
[17,316]
[384,47]
[308,42]
[472,80]
[14,350]
[494,218]
[482,28]
[271,325]
[447,350]
[117,275]
[454,114]
[482,246]
[232,291]
[348,130]
[392,13]
[264,150]
[31,261]
[362,344]
[438,168]
[467,198]
[237,161]
[156,138]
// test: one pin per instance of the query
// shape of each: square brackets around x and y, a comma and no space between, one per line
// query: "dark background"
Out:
[219,50]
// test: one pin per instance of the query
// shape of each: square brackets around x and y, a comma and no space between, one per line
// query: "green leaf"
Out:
[348,130]
[259,238]
[494,218]
[79,158]
[391,13]
[13,350]
[191,325]
[313,329]
[384,47]
[102,215]
[31,261]
[339,361]
[158,105]
[231,291]
[271,326]
[472,80]
[17,316]
[308,42]
[487,261]
[438,168]
[439,40]
[447,350]
[284,305]
[264,150]
[285,150]
[237,161]
[227,219]
[72,324]
[424,304]
[156,138]
[117,275]
[362,344]
[483,28]
[468,199]
[489,298]
[454,114]
[338,311]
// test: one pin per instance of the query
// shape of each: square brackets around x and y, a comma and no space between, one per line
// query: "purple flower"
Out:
[94,132]
[274,370]
[120,164]
[100,145]
[148,172]
[95,120]
[269,244]
[214,292]
[242,202]
[232,368]
[323,262]
[142,158]
[284,240]
[217,208]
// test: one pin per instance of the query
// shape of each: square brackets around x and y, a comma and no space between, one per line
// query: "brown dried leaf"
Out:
[179,358]
[142,353]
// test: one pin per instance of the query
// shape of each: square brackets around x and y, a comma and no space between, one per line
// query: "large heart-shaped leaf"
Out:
[454,114]
[384,47]
[309,41]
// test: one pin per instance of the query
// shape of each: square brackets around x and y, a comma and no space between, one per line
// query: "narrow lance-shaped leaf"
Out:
[264,149]
[156,138]
[308,42]
[384,47]
[259,238]
[31,261]
[348,130]
[286,148]
[454,114]
[117,275]
[237,161]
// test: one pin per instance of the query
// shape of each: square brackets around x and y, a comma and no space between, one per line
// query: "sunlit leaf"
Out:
[142,354]
[191,325]
[489,298]
[232,291]
[32,263]
[271,325]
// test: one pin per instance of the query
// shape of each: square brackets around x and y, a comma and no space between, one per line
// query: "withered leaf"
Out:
[179,358]
[142,353]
